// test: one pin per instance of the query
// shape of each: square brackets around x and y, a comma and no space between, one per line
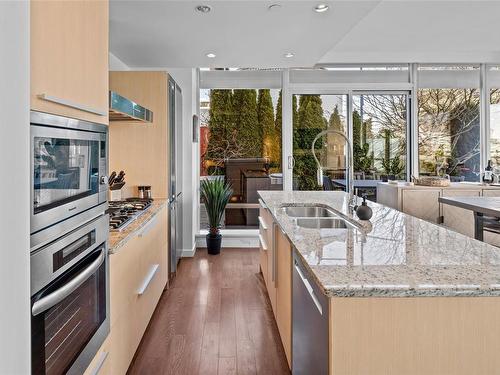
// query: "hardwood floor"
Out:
[215,319]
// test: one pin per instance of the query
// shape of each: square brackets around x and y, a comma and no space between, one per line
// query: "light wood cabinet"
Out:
[456,218]
[423,204]
[284,292]
[138,275]
[271,267]
[69,58]
[265,226]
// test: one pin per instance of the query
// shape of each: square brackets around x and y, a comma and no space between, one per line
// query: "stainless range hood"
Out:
[123,109]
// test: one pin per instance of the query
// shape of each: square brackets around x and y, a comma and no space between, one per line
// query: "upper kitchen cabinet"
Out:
[69,58]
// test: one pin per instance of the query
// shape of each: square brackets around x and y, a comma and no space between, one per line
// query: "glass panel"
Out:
[379,138]
[448,133]
[495,126]
[240,139]
[64,170]
[62,332]
[311,115]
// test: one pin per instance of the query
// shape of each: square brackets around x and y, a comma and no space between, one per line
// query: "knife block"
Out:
[115,195]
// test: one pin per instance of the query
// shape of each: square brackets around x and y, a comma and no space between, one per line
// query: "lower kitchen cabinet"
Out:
[284,292]
[276,267]
[138,276]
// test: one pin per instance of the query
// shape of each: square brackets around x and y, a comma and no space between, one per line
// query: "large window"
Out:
[449,121]
[311,115]
[495,126]
[379,136]
[448,133]
[240,141]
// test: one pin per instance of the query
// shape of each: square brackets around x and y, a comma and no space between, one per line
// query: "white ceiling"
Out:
[149,34]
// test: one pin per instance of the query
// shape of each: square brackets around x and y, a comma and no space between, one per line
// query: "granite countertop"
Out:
[118,239]
[392,255]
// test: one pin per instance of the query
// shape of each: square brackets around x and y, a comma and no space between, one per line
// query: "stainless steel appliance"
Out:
[68,174]
[309,324]
[70,300]
[122,213]
[175,195]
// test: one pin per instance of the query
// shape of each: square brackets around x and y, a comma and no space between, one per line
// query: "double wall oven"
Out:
[68,173]
[69,243]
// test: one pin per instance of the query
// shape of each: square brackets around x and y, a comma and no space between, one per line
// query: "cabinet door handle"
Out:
[147,279]
[262,243]
[262,223]
[71,104]
[309,288]
[100,362]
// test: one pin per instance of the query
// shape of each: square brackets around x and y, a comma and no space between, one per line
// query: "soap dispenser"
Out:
[364,212]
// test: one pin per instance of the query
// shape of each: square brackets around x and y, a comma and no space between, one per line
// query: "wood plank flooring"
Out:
[215,319]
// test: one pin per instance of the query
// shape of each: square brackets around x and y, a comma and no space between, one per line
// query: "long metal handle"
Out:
[100,362]
[262,243]
[262,223]
[69,103]
[54,298]
[309,289]
[273,249]
[147,279]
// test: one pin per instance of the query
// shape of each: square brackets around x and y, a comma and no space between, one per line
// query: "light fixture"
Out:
[203,8]
[211,55]
[289,55]
[320,8]
[274,6]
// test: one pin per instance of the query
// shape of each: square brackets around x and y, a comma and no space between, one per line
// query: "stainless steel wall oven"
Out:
[68,172]
[70,300]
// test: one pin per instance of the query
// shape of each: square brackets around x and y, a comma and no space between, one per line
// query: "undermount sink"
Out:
[308,211]
[319,223]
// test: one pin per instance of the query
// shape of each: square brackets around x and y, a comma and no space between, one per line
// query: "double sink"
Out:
[315,217]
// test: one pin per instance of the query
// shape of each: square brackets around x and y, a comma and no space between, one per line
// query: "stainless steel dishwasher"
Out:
[309,324]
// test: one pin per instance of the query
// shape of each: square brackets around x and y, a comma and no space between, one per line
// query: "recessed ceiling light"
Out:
[211,55]
[320,8]
[289,54]
[203,8]
[274,6]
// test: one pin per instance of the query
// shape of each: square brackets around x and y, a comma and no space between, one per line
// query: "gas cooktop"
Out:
[122,213]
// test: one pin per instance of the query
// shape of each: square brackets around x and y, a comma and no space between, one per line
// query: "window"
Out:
[448,133]
[311,115]
[495,126]
[449,121]
[240,139]
[379,136]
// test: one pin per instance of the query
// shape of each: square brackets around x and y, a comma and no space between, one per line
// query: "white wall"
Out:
[186,79]
[116,64]
[14,188]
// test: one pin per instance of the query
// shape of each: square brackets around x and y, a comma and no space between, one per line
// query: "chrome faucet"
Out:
[350,158]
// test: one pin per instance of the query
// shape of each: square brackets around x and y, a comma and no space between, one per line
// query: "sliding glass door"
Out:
[377,126]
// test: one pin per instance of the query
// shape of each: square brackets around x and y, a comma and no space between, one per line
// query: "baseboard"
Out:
[240,238]
[189,253]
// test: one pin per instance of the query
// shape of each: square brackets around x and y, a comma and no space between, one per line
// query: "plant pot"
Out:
[214,243]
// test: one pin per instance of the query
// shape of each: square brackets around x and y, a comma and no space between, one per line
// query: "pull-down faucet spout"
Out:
[349,176]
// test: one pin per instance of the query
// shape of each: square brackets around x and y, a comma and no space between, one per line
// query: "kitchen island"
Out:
[404,296]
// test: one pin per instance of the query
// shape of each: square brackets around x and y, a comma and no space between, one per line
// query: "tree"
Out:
[310,122]
[249,133]
[363,159]
[278,125]
[222,127]
[265,116]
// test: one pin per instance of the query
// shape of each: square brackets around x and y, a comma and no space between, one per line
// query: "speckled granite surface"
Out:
[118,239]
[394,255]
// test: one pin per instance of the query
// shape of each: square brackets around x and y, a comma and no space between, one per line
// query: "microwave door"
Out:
[67,171]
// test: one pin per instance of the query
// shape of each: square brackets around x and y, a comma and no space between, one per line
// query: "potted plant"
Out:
[215,194]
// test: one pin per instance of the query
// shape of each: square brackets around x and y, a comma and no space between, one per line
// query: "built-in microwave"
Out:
[68,173]
[70,300]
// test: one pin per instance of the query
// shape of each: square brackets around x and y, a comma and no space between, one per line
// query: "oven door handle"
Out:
[54,298]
